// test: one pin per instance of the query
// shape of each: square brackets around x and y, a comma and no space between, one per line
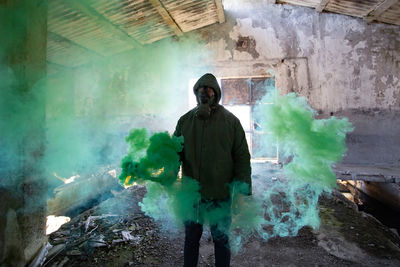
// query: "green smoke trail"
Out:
[290,203]
[160,163]
[314,144]
[22,90]
[91,109]
[84,111]
[155,160]
[279,207]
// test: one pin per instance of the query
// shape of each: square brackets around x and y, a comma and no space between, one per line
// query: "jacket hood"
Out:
[208,80]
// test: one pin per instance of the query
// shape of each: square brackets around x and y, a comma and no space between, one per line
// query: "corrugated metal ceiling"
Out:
[82,30]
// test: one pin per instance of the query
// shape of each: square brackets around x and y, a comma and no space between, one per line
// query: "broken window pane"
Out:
[235,91]
[240,95]
[260,87]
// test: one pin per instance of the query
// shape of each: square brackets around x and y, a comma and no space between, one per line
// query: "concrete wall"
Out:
[22,182]
[344,66]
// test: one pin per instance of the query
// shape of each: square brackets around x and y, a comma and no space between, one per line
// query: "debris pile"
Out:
[112,229]
[118,233]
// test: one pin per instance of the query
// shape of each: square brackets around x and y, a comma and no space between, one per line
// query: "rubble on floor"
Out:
[117,233]
[114,233]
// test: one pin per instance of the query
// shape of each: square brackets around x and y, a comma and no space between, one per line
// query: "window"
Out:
[240,95]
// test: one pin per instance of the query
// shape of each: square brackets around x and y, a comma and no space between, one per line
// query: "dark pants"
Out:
[193,232]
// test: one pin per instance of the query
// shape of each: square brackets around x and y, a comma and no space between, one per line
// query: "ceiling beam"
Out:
[89,11]
[321,6]
[379,9]
[220,11]
[61,39]
[166,16]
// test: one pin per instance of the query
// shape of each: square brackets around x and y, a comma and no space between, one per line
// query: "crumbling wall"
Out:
[344,66]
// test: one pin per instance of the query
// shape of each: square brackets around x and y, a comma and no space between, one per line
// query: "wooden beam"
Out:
[321,6]
[86,9]
[220,11]
[379,9]
[166,16]
[58,38]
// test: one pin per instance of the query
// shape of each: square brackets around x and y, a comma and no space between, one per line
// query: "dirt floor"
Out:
[121,235]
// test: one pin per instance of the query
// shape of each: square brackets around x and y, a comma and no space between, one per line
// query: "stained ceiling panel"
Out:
[192,14]
[139,19]
[73,24]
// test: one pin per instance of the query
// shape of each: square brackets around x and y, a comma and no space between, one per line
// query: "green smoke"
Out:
[160,163]
[21,101]
[278,207]
[91,109]
[83,111]
[314,144]
[290,201]
[155,160]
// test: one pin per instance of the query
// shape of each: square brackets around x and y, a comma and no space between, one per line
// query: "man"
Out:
[215,153]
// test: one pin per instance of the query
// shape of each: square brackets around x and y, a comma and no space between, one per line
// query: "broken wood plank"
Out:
[346,176]
[357,177]
[220,11]
[166,16]
[321,6]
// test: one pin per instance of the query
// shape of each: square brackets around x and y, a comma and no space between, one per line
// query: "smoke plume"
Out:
[283,200]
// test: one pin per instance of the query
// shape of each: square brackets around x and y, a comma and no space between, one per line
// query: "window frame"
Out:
[249,133]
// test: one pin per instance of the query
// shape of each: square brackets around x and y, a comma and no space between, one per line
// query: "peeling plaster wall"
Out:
[344,66]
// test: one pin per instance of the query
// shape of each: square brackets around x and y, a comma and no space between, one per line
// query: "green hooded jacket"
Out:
[215,150]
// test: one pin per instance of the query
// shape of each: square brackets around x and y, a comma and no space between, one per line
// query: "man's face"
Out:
[205,94]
